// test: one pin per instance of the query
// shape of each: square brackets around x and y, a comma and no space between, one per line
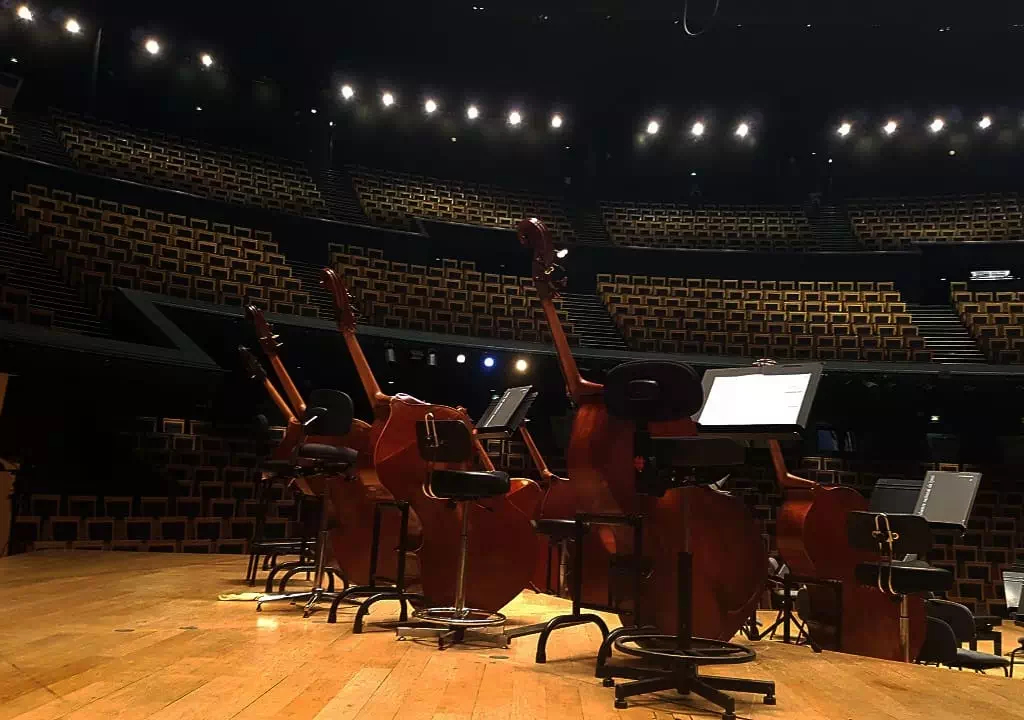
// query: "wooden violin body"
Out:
[812,539]
[502,540]
[729,557]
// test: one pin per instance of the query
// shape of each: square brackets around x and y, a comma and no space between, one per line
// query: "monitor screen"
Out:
[755,399]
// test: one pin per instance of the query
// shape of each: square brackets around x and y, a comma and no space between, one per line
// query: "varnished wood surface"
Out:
[119,635]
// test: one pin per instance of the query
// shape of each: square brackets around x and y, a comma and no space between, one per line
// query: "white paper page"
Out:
[737,400]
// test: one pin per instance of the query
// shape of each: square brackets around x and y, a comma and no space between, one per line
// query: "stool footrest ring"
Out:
[454,617]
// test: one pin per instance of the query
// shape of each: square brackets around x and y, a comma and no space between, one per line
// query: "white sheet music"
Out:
[743,400]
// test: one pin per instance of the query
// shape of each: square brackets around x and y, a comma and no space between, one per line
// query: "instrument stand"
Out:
[372,592]
[786,618]
[317,593]
[578,528]
[672,662]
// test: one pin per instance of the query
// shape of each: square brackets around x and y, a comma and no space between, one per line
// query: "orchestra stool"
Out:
[563,532]
[450,441]
[893,536]
[331,415]
[1015,653]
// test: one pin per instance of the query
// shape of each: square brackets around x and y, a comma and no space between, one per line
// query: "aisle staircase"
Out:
[591,322]
[945,335]
[588,226]
[28,269]
[40,138]
[339,194]
[830,227]
[309,275]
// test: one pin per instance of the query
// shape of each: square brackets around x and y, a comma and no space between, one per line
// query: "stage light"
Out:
[522,366]
[206,59]
[152,47]
[14,60]
[390,356]
[388,99]
[935,418]
[199,108]
[347,92]
[693,173]
[330,124]
[844,129]
[488,362]
[556,121]
[742,130]
[460,358]
[312,111]
[830,161]
[514,118]
[562,254]
[432,358]
[937,125]
[952,153]
[454,139]
[72,26]
[25,13]
[429,106]
[472,112]
[653,127]
[890,127]
[985,123]
[698,129]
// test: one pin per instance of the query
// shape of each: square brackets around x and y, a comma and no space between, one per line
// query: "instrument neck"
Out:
[578,387]
[370,386]
[787,481]
[280,402]
[297,403]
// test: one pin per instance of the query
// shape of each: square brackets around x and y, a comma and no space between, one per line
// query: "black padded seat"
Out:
[328,453]
[908,576]
[468,484]
[975,660]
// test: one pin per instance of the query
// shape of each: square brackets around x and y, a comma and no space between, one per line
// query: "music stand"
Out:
[944,499]
[1013,583]
[505,414]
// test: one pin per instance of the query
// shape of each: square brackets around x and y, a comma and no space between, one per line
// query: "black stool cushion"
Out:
[328,453]
[468,484]
[908,576]
[975,660]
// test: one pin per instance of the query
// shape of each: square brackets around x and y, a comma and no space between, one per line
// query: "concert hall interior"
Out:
[514,360]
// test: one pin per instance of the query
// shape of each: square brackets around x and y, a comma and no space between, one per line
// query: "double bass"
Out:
[730,562]
[811,535]
[502,539]
[352,499]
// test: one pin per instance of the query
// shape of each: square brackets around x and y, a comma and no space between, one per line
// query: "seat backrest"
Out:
[330,413]
[647,391]
[444,441]
[940,643]
[957,616]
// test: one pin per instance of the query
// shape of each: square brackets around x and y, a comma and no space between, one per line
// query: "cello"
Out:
[501,558]
[812,539]
[730,560]
[352,498]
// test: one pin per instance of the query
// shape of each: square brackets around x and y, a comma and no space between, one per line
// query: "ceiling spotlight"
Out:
[72,26]
[952,153]
[432,358]
[24,13]
[152,47]
[330,124]
[830,161]
[522,366]
[890,127]
[312,111]
[472,112]
[742,130]
[14,60]
[199,108]
[653,127]
[514,118]
[388,99]
[390,356]
[488,362]
[844,129]
[429,106]
[454,139]
[460,358]
[937,125]
[562,254]
[985,123]
[206,59]
[556,121]
[347,92]
[693,174]
[698,129]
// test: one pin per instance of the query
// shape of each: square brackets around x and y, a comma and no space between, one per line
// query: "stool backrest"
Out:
[957,616]
[329,412]
[653,390]
[911,533]
[940,643]
[444,441]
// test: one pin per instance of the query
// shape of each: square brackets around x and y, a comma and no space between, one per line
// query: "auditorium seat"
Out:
[453,297]
[105,245]
[393,199]
[899,223]
[739,227]
[782,319]
[223,174]
[995,319]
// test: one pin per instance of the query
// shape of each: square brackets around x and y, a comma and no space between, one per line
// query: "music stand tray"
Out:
[506,413]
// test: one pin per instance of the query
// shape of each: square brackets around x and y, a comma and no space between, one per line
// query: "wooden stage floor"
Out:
[120,635]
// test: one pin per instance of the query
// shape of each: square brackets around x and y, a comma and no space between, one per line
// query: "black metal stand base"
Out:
[686,681]
[299,568]
[373,593]
[544,630]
